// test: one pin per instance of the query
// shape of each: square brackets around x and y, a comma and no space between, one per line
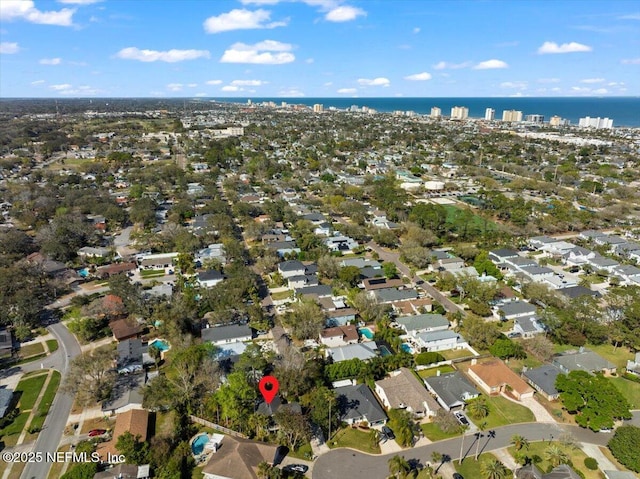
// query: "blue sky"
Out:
[318,48]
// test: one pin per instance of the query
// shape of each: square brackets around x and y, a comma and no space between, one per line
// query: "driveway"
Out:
[357,465]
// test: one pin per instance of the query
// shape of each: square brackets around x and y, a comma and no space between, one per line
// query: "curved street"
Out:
[357,465]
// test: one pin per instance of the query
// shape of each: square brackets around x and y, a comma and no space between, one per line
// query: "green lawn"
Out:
[281,295]
[434,433]
[503,412]
[617,356]
[427,373]
[470,468]
[629,389]
[151,273]
[31,350]
[303,452]
[456,353]
[11,432]
[30,389]
[477,221]
[576,456]
[52,344]
[46,400]
[355,439]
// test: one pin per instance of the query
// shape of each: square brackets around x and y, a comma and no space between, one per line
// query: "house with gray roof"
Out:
[633,365]
[601,263]
[283,248]
[362,351]
[537,273]
[421,323]
[133,356]
[391,295]
[583,360]
[531,471]
[439,340]
[357,404]
[452,390]
[229,333]
[499,256]
[528,326]
[361,263]
[515,309]
[403,390]
[577,291]
[317,291]
[543,380]
[291,268]
[126,393]
[6,395]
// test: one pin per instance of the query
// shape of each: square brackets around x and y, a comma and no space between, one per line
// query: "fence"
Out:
[217,427]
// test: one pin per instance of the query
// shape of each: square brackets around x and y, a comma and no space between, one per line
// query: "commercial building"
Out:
[489,114]
[534,118]
[459,113]
[436,112]
[511,115]
[558,121]
[597,123]
[318,108]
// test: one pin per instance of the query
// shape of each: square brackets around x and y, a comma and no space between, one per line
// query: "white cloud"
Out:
[174,86]
[169,56]
[416,30]
[9,48]
[26,10]
[82,90]
[344,13]
[37,82]
[490,65]
[592,80]
[419,76]
[200,95]
[380,81]
[451,66]
[260,53]
[192,85]
[631,16]
[572,47]
[615,83]
[214,82]
[580,89]
[60,87]
[518,85]
[79,2]
[630,61]
[329,83]
[248,82]
[231,88]
[600,91]
[241,19]
[50,61]
[347,90]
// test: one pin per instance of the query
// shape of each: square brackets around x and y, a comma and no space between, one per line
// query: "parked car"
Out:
[462,419]
[387,433]
[97,432]
[296,468]
[457,476]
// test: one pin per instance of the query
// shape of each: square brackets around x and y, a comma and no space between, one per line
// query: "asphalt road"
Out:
[356,465]
[389,256]
[56,420]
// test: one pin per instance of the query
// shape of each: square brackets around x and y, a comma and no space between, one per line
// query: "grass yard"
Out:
[46,400]
[52,344]
[629,389]
[30,389]
[470,468]
[95,423]
[151,273]
[476,221]
[304,452]
[434,433]
[618,356]
[456,353]
[31,350]
[281,295]
[355,439]
[576,456]
[11,432]
[518,364]
[427,373]
[503,412]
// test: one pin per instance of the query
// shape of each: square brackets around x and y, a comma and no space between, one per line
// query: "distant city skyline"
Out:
[319,48]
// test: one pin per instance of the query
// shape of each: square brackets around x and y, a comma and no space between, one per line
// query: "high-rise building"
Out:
[489,114]
[511,115]
[436,112]
[588,122]
[558,121]
[459,113]
[534,118]
[318,108]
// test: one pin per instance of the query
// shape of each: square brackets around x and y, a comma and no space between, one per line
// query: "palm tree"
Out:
[519,442]
[478,407]
[493,469]
[264,468]
[555,455]
[399,467]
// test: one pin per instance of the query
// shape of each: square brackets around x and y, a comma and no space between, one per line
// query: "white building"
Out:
[535,118]
[436,112]
[489,114]
[318,108]
[511,115]
[588,122]
[459,113]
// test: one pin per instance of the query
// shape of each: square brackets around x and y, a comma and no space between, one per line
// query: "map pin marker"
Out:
[268,388]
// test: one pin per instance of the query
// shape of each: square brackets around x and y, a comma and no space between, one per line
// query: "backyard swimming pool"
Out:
[366,332]
[161,344]
[197,446]
[384,351]
[407,348]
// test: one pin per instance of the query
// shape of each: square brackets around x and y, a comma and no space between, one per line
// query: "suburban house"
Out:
[543,380]
[94,252]
[126,393]
[633,366]
[629,275]
[578,256]
[391,295]
[163,261]
[238,459]
[6,397]
[600,263]
[361,263]
[537,273]
[439,340]
[357,404]
[126,328]
[362,351]
[583,360]
[302,281]
[515,309]
[132,356]
[283,248]
[208,279]
[403,390]
[315,292]
[6,343]
[339,336]
[412,306]
[115,268]
[339,243]
[371,284]
[228,333]
[212,252]
[336,311]
[421,323]
[495,377]
[531,471]
[499,256]
[452,390]
[135,421]
[291,268]
[528,326]
[450,264]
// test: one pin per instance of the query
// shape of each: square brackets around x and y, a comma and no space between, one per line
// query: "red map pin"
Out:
[268,387]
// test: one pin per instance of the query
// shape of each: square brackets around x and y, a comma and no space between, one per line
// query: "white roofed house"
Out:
[600,263]
[208,279]
[342,244]
[403,390]
[528,326]
[439,340]
[577,256]
[629,275]
[537,273]
[339,336]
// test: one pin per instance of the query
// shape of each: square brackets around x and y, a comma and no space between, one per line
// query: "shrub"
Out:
[624,446]
[431,357]
[590,463]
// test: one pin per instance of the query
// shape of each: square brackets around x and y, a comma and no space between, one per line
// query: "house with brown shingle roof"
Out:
[135,421]
[339,336]
[125,329]
[495,377]
[238,459]
[403,390]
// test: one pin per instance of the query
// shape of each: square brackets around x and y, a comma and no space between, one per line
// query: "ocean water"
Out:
[625,111]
